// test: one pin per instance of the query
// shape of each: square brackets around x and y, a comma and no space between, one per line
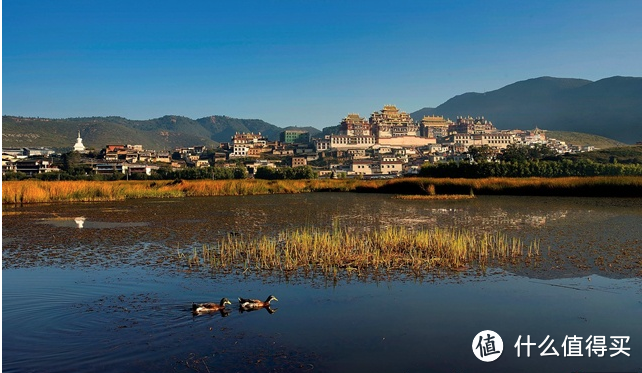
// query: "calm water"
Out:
[98,287]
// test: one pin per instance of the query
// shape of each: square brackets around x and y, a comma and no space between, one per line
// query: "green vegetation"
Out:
[285,173]
[522,153]
[622,154]
[311,250]
[526,168]
[583,139]
[192,173]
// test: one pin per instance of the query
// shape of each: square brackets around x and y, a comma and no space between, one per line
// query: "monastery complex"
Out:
[394,128]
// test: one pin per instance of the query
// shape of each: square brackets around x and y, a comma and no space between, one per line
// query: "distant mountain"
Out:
[167,132]
[610,107]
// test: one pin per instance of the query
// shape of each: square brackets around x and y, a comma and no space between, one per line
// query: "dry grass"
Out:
[416,197]
[34,191]
[311,250]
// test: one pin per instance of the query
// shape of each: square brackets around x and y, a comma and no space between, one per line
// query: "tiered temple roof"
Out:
[354,125]
[390,122]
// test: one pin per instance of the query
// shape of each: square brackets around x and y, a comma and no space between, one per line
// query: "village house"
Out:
[298,161]
[202,162]
[362,167]
[294,137]
[163,157]
[107,168]
[35,166]
[253,166]
[390,167]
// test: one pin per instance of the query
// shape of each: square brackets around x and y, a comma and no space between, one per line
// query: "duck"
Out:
[255,304]
[210,307]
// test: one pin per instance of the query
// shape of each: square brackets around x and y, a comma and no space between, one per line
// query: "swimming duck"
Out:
[255,304]
[210,307]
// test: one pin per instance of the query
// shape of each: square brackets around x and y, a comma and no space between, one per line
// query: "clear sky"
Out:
[305,63]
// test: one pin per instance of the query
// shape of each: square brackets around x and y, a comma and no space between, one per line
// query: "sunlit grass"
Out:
[417,197]
[314,250]
[35,191]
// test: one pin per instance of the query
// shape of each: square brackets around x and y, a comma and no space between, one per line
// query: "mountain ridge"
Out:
[162,133]
[609,107]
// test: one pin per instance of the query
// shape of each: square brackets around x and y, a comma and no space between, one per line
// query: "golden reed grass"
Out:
[390,249]
[415,197]
[34,191]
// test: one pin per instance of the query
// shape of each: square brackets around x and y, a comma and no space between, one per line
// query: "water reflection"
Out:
[132,320]
[596,235]
[80,221]
[83,222]
[223,312]
[269,309]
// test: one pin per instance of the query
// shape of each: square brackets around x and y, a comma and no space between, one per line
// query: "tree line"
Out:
[529,168]
[213,173]
[526,161]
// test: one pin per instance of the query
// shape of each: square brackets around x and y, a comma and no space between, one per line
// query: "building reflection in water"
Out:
[80,221]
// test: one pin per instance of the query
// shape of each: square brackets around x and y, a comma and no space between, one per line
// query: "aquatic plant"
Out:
[414,197]
[329,251]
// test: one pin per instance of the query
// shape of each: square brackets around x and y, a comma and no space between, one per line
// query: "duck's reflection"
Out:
[270,310]
[223,313]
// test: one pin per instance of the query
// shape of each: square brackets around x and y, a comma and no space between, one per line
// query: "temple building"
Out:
[78,146]
[354,133]
[392,127]
[390,122]
[388,127]
[470,125]
[435,126]
[354,125]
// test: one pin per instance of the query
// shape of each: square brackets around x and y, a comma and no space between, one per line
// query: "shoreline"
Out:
[37,191]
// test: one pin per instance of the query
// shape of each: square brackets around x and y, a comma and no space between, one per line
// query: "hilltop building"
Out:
[295,137]
[247,145]
[249,139]
[435,126]
[388,127]
[78,146]
[390,122]
[470,125]
[495,140]
[354,133]
[396,128]
[354,125]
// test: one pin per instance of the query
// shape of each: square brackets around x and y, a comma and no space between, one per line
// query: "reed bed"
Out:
[418,197]
[35,191]
[334,251]
[595,186]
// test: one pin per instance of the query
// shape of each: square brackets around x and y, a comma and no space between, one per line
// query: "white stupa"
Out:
[79,147]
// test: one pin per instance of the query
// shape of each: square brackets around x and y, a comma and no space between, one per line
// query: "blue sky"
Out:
[305,63]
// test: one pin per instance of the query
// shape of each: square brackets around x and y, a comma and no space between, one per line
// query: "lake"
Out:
[100,287]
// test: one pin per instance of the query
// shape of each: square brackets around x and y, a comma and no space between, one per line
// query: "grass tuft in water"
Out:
[314,250]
